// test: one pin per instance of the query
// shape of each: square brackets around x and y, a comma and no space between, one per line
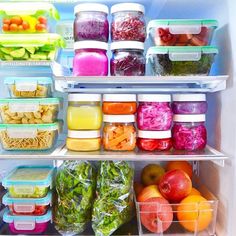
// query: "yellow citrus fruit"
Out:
[194,191]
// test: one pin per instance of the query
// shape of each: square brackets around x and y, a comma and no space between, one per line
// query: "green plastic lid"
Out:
[39,80]
[40,101]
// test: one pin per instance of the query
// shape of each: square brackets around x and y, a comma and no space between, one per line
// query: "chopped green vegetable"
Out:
[26,191]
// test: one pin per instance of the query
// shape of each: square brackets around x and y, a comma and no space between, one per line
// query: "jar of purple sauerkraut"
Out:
[189,132]
[154,112]
[189,104]
[91,22]
[127,59]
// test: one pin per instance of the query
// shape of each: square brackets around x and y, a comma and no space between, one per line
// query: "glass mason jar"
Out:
[128,23]
[90,59]
[154,112]
[189,104]
[119,133]
[91,22]
[189,132]
[84,112]
[127,59]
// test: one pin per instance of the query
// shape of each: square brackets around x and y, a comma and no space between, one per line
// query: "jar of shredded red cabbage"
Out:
[189,132]
[91,22]
[128,23]
[127,59]
[189,104]
[154,112]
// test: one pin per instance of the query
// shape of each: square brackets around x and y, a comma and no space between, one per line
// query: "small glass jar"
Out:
[189,132]
[90,59]
[154,140]
[154,112]
[83,141]
[128,23]
[127,59]
[119,104]
[91,22]
[84,112]
[119,133]
[189,104]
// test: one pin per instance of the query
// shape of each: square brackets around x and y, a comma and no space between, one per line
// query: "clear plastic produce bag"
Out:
[75,192]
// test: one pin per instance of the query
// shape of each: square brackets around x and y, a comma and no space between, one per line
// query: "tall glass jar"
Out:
[84,112]
[189,132]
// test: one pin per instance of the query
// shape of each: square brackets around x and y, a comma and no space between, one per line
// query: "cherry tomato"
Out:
[6,21]
[13,27]
[16,20]
[42,20]
[25,25]
[20,27]
[5,27]
[40,27]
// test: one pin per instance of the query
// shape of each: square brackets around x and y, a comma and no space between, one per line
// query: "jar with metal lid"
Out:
[127,59]
[119,133]
[84,112]
[128,23]
[91,22]
[189,132]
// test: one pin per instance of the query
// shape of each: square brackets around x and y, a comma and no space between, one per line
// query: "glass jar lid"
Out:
[119,97]
[91,7]
[74,97]
[127,45]
[154,98]
[119,118]
[154,134]
[189,118]
[195,97]
[84,134]
[127,7]
[90,44]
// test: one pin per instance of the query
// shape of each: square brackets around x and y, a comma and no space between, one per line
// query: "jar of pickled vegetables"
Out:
[127,59]
[154,112]
[91,22]
[189,132]
[189,104]
[79,141]
[84,112]
[119,104]
[154,140]
[119,133]
[128,22]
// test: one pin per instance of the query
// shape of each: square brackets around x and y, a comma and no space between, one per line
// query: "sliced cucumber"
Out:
[19,53]
[31,50]
[51,55]
[39,56]
[7,50]
[8,58]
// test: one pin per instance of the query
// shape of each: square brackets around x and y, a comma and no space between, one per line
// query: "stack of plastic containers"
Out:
[29,199]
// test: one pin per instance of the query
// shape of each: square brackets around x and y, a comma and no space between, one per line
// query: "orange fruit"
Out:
[180,165]
[194,213]
[194,191]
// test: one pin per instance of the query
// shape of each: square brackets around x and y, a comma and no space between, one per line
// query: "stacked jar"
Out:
[189,131]
[84,120]
[119,133]
[154,120]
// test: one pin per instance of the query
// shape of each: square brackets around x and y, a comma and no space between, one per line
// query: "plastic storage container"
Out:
[83,141]
[30,47]
[181,32]
[127,59]
[27,224]
[28,206]
[119,133]
[29,111]
[28,18]
[84,112]
[90,59]
[128,23]
[154,112]
[181,60]
[119,104]
[29,181]
[91,22]
[189,104]
[28,137]
[29,87]
[189,132]
[154,140]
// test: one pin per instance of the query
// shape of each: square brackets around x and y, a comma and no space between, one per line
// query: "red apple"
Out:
[138,188]
[175,185]
[157,215]
[149,192]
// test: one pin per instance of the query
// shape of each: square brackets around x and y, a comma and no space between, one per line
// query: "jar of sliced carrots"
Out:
[119,104]
[119,133]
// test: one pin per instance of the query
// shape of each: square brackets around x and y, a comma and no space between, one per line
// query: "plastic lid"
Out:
[75,97]
[39,80]
[189,118]
[30,100]
[127,7]
[119,97]
[127,45]
[154,98]
[196,97]
[90,44]
[154,134]
[119,118]
[91,7]
[84,134]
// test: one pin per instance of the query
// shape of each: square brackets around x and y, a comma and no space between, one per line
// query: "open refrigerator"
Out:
[215,167]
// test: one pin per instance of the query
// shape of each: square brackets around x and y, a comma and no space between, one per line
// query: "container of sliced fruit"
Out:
[31,17]
[30,47]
